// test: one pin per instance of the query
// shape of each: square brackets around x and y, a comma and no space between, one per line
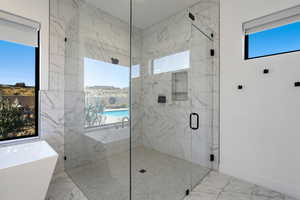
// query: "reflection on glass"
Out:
[135,71]
[172,62]
[106,93]
[17,90]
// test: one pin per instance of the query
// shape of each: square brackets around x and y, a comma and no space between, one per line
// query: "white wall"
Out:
[260,129]
[37,10]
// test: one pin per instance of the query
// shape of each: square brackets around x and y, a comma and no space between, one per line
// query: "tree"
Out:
[93,114]
[11,118]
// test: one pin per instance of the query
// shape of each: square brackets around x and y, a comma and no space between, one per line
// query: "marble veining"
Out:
[165,126]
[217,186]
[92,33]
[63,188]
[109,178]
[95,34]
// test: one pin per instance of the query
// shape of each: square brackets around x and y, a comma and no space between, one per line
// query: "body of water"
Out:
[117,113]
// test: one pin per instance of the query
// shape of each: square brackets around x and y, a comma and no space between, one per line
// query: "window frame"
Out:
[246,50]
[36,92]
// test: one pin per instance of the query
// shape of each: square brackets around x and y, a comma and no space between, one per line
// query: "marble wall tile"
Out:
[92,33]
[52,122]
[52,100]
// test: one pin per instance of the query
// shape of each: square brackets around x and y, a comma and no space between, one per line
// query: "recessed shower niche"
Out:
[180,86]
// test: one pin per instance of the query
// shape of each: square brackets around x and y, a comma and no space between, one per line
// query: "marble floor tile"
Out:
[238,186]
[290,198]
[217,186]
[203,196]
[63,188]
[261,191]
[216,180]
[166,177]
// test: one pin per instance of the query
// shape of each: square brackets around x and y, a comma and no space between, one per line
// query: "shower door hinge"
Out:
[66,39]
[187,192]
[191,16]
[212,158]
[212,52]
[65,157]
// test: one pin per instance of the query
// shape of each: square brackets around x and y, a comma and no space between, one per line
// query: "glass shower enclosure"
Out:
[139,95]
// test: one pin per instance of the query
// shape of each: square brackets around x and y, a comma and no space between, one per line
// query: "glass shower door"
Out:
[96,53]
[201,89]
[171,105]
[160,105]
[160,133]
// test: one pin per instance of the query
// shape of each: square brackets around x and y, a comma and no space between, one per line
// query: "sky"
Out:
[282,39]
[172,62]
[17,64]
[98,73]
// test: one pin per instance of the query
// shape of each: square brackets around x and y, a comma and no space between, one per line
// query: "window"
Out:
[19,77]
[106,88]
[135,71]
[172,62]
[283,39]
[273,34]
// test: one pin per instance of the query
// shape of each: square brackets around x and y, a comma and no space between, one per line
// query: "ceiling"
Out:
[145,12]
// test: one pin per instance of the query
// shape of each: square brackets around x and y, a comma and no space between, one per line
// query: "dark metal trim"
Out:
[240,87]
[191,119]
[37,85]
[130,101]
[212,52]
[266,71]
[203,32]
[211,157]
[246,56]
[191,16]
[297,84]
[187,192]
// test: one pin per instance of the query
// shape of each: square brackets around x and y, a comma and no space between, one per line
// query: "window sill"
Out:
[19,141]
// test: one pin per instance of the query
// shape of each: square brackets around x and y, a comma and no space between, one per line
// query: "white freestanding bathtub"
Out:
[26,170]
